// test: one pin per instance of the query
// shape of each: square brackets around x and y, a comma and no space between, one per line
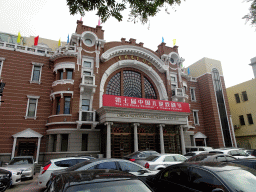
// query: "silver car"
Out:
[158,162]
[24,164]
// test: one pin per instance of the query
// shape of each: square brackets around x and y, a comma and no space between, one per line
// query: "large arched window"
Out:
[222,107]
[131,83]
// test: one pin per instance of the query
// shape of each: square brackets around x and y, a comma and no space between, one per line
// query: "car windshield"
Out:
[21,161]
[152,158]
[114,186]
[240,180]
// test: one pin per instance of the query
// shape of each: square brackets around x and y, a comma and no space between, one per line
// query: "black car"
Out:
[5,179]
[140,155]
[211,157]
[101,180]
[204,176]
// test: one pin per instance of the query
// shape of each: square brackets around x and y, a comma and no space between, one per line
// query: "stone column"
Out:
[108,148]
[14,146]
[38,149]
[205,142]
[161,137]
[183,149]
[58,143]
[136,148]
[232,128]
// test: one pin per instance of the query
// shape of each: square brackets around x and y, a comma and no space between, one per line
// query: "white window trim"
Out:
[31,97]
[2,64]
[64,66]
[197,117]
[88,69]
[32,72]
[194,94]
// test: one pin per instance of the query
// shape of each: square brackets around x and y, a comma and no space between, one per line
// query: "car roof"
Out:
[98,175]
[67,158]
[215,166]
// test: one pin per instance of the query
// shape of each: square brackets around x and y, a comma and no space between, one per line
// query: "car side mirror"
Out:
[217,190]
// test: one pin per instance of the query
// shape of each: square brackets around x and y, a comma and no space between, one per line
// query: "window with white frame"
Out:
[173,83]
[32,107]
[87,66]
[195,115]
[1,65]
[192,93]
[36,72]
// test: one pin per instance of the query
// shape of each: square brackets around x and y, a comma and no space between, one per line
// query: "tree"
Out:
[140,10]
[251,16]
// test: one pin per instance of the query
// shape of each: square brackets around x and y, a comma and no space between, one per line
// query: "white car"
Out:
[57,164]
[16,175]
[158,162]
[23,164]
[238,153]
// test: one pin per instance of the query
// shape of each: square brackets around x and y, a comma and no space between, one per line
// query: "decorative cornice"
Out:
[135,51]
[60,55]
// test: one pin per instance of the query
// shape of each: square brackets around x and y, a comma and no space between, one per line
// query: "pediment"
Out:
[200,135]
[28,133]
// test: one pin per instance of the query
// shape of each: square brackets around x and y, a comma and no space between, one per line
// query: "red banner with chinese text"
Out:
[142,103]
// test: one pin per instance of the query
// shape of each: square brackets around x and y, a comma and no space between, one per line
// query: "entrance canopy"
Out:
[28,133]
[130,115]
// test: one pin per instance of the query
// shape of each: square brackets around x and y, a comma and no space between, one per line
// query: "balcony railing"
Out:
[178,94]
[67,48]
[88,80]
[17,47]
[87,115]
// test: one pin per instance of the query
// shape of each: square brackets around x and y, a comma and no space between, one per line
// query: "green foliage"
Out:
[140,10]
[251,17]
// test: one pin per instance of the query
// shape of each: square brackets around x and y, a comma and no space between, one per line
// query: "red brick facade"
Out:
[17,70]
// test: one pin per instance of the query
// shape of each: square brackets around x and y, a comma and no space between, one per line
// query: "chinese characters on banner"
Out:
[142,103]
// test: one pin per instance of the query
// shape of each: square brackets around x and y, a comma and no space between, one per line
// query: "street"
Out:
[27,185]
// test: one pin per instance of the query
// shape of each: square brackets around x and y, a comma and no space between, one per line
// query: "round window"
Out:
[88,41]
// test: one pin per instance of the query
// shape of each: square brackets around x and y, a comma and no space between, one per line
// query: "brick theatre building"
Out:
[93,97]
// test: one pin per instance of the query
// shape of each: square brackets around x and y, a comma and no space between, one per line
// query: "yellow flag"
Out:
[18,39]
[174,41]
[59,43]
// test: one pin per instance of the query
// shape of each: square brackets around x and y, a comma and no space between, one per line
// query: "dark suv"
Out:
[140,155]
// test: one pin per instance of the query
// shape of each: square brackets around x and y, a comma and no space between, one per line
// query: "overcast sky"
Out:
[202,28]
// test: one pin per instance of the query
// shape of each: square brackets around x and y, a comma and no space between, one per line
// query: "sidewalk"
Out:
[27,185]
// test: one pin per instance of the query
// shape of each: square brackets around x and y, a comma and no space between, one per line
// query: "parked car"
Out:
[5,179]
[16,175]
[57,164]
[114,164]
[250,162]
[158,162]
[211,157]
[204,176]
[238,153]
[23,164]
[97,181]
[198,148]
[193,153]
[138,155]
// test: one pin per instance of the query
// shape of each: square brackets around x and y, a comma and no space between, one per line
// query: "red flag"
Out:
[36,40]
